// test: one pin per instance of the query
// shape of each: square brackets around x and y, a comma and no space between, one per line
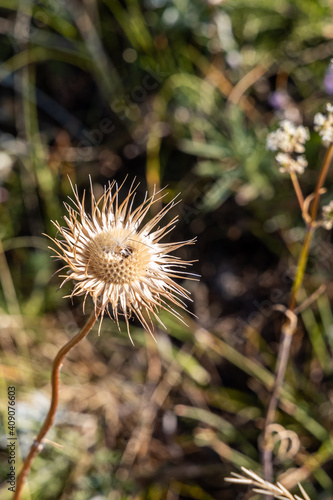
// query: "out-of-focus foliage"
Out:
[180,94]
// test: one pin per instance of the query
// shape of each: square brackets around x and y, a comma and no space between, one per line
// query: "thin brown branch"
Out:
[297,189]
[55,379]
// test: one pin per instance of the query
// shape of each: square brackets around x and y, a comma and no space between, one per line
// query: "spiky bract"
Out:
[117,259]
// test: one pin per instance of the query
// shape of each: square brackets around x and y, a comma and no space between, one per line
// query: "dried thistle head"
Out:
[119,260]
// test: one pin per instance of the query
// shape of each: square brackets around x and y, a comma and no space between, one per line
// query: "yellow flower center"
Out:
[118,257]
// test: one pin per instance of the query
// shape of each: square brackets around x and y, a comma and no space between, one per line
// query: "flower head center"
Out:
[118,257]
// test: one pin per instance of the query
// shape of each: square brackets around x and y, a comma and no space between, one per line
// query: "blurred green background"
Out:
[180,94]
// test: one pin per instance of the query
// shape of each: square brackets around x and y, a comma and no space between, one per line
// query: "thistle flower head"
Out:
[324,125]
[119,260]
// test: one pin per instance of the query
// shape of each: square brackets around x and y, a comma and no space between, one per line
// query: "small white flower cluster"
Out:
[324,125]
[289,164]
[289,139]
[327,221]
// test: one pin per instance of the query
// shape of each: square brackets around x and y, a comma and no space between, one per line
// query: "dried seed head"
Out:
[118,260]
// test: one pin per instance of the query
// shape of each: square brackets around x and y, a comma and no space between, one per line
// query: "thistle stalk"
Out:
[121,263]
[55,379]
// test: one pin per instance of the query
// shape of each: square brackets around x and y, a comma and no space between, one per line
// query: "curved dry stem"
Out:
[306,204]
[55,379]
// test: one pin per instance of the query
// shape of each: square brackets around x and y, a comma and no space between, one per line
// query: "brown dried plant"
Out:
[263,487]
[118,260]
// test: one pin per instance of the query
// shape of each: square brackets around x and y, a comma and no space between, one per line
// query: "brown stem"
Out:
[321,181]
[55,377]
[297,189]
[282,361]
[287,334]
